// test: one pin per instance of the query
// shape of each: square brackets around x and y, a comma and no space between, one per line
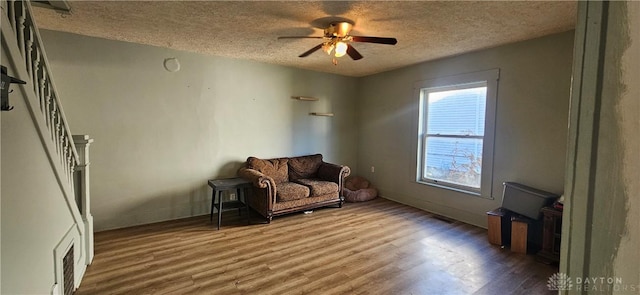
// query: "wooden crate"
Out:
[519,234]
[526,234]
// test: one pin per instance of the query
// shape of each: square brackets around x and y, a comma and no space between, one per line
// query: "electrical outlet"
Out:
[232,197]
[373,169]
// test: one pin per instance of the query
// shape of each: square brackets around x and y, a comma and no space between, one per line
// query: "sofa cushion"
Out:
[274,168]
[304,166]
[289,191]
[319,187]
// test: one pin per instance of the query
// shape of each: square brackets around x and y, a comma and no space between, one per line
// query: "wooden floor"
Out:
[377,247]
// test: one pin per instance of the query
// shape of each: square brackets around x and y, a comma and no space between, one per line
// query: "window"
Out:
[455,144]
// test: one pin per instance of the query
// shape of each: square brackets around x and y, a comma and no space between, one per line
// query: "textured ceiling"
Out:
[425,30]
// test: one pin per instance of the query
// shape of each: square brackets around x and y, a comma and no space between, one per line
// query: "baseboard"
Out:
[471,218]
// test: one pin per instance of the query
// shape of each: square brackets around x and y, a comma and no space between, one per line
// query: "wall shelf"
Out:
[322,114]
[305,98]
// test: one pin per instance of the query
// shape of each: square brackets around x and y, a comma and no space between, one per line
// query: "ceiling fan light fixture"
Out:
[336,40]
[341,49]
[338,29]
[327,48]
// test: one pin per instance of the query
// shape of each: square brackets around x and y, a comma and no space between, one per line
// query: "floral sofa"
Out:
[286,185]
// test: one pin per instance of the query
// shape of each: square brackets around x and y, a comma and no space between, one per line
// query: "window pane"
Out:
[457,112]
[454,160]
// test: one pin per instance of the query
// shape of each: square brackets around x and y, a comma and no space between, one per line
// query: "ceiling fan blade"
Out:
[379,40]
[299,37]
[353,53]
[310,51]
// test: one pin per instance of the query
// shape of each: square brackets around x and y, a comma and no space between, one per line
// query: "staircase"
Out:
[25,57]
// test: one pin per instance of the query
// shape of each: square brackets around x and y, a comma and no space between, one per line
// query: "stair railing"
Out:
[35,60]
[28,61]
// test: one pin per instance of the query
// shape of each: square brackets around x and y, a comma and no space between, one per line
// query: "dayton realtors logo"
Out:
[562,282]
[559,282]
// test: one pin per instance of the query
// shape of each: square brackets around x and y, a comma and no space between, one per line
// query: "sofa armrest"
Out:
[258,179]
[333,172]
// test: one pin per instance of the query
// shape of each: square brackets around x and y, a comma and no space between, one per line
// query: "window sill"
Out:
[459,190]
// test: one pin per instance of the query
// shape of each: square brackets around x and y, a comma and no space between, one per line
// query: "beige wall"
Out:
[34,213]
[625,263]
[160,135]
[630,108]
[531,124]
[616,225]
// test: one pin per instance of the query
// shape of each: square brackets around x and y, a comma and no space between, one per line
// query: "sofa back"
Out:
[274,168]
[304,167]
[287,169]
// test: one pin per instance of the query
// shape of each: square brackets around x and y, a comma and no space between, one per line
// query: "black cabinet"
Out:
[551,233]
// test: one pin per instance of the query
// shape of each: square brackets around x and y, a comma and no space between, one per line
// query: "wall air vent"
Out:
[67,273]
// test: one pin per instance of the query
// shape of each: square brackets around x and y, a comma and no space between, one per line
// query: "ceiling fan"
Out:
[336,39]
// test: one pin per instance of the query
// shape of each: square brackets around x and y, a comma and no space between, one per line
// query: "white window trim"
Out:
[491,77]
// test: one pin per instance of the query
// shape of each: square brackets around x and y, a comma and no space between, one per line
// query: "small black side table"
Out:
[220,185]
